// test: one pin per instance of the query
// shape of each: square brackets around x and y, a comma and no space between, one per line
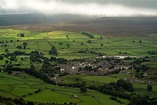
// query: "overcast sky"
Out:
[81,7]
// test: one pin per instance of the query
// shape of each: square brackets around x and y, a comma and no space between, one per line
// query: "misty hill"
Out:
[100,25]
[16,19]
[136,25]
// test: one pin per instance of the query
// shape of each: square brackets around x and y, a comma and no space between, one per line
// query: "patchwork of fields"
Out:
[70,45]
[25,86]
[42,41]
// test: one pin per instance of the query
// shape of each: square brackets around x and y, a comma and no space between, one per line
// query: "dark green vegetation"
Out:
[62,67]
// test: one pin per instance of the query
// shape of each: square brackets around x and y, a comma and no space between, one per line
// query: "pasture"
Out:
[69,45]
[73,45]
[25,86]
[140,88]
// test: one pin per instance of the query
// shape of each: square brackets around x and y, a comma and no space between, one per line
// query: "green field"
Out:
[42,41]
[90,80]
[25,86]
[99,80]
[68,45]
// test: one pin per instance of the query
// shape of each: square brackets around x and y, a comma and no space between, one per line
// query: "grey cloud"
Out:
[130,3]
[83,7]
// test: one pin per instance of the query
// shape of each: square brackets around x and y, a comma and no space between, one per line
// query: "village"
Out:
[101,66]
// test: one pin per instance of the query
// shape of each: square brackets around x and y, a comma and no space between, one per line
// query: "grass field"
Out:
[90,80]
[25,86]
[42,41]
[99,80]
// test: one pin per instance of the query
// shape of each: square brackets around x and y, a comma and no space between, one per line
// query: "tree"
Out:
[100,37]
[24,45]
[61,60]
[13,58]
[68,45]
[83,88]
[53,50]
[9,67]
[125,84]
[82,43]
[46,64]
[32,67]
[67,36]
[52,58]
[60,43]
[149,87]
[139,100]
[19,53]
[1,57]
[19,47]
[87,34]
[6,50]
[89,41]
[6,62]
[140,41]
[21,34]
[30,103]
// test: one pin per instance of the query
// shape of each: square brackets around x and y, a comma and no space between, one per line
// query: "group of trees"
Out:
[16,101]
[77,85]
[38,74]
[116,99]
[60,43]
[142,100]
[110,91]
[24,45]
[126,85]
[10,56]
[87,34]
[121,86]
[20,53]
[90,68]
[120,52]
[117,89]
[140,41]
[152,52]
[138,61]
[91,52]
[83,87]
[36,56]
[59,60]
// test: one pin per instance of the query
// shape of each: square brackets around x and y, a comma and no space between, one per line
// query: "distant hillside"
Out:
[16,19]
[105,25]
[119,25]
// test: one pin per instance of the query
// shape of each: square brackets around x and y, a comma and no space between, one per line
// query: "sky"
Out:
[110,8]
